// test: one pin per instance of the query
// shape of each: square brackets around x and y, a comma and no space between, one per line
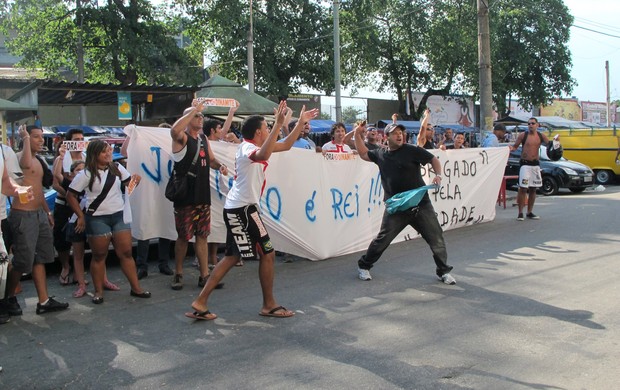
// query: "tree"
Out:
[383,38]
[122,41]
[531,59]
[324,115]
[431,46]
[350,114]
[291,42]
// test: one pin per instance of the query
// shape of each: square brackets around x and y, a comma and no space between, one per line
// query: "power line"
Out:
[595,31]
[597,24]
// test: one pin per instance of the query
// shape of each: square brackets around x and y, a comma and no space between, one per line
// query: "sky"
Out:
[590,50]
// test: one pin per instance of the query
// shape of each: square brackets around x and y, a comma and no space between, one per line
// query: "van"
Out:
[596,148]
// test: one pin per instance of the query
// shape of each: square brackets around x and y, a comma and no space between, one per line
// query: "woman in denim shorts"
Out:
[104,223]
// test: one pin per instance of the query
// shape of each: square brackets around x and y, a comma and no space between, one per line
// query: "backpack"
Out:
[48,177]
[554,154]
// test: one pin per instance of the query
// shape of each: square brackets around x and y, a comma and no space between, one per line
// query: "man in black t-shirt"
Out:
[399,166]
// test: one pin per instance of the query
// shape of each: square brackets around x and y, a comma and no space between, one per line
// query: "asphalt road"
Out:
[536,306]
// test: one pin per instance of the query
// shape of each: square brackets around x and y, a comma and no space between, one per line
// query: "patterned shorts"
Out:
[529,177]
[193,221]
[246,234]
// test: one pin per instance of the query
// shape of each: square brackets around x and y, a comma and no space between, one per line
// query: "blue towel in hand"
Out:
[407,200]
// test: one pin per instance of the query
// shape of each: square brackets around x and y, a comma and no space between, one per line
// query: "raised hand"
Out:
[62,149]
[199,104]
[280,111]
[305,116]
[23,133]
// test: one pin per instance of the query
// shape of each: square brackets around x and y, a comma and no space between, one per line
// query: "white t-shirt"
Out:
[335,148]
[113,202]
[249,179]
[14,170]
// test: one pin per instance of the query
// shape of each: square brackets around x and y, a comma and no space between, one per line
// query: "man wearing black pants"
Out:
[399,166]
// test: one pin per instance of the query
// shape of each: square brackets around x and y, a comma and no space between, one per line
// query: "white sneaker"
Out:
[447,279]
[363,274]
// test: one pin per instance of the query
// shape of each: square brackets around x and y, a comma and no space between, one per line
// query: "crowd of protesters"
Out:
[92,191]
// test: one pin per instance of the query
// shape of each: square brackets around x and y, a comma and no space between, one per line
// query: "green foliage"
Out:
[417,45]
[530,55]
[325,115]
[350,114]
[398,45]
[291,42]
[432,46]
[122,41]
[384,38]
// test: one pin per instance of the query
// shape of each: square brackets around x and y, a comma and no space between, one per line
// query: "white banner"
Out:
[314,207]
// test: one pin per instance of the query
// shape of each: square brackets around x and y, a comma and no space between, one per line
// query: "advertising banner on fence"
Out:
[313,206]
[124,106]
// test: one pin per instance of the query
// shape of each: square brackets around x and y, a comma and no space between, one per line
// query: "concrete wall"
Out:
[70,115]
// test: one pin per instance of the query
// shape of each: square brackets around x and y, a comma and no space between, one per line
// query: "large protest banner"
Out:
[314,206]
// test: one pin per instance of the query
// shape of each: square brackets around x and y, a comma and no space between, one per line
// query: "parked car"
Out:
[555,174]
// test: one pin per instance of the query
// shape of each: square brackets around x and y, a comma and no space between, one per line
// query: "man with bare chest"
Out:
[31,223]
[530,177]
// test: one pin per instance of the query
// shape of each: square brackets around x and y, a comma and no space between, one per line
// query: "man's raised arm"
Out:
[177,132]
[304,117]
[422,134]
[360,146]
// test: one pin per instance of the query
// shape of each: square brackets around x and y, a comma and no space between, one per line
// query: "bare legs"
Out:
[64,259]
[266,277]
[38,277]
[78,267]
[180,250]
[122,246]
[202,253]
[526,194]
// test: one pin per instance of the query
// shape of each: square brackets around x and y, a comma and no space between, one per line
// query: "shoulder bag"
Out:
[176,189]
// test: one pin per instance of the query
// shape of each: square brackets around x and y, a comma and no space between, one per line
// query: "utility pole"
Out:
[336,10]
[608,98]
[80,59]
[484,67]
[251,53]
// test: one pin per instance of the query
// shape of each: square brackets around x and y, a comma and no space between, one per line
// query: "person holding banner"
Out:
[494,138]
[193,156]
[216,131]
[399,166]
[337,145]
[62,211]
[103,221]
[458,142]
[163,244]
[246,234]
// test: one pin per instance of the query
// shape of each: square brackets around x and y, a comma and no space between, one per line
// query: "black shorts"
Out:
[62,213]
[7,234]
[246,235]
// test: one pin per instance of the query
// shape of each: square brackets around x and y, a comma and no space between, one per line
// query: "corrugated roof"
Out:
[74,93]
